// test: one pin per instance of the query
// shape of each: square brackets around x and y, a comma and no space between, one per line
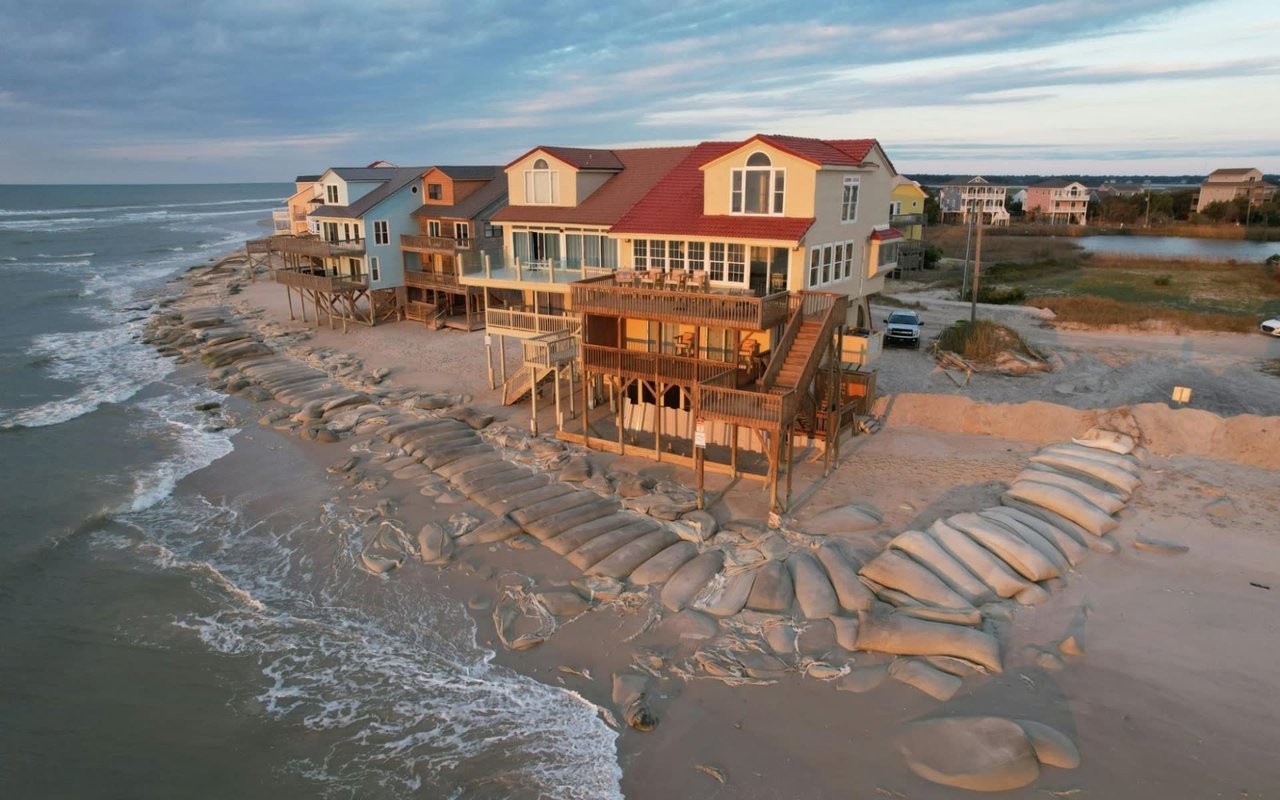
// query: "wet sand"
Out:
[1171,699]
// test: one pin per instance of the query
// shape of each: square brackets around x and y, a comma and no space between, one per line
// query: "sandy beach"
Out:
[1169,693]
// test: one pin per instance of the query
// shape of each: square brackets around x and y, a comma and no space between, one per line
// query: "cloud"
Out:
[238,86]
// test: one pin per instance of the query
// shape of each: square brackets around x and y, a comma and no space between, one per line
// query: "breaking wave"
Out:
[387,679]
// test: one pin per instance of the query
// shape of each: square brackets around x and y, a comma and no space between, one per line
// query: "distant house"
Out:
[1225,185]
[364,211]
[455,219]
[906,214]
[906,208]
[961,199]
[1057,201]
[292,220]
[1120,189]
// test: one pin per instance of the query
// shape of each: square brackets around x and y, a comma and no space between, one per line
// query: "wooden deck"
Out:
[438,281]
[319,283]
[712,309]
[311,246]
[524,324]
[657,367]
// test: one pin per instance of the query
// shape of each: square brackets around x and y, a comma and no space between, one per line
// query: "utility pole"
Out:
[1148,208]
[977,269]
[968,238]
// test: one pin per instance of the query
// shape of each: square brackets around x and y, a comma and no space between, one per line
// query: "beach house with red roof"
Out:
[720,339]
[561,203]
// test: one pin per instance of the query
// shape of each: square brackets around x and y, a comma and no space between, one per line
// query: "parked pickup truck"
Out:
[903,327]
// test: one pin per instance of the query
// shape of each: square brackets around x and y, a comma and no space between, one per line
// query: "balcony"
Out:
[485,269]
[658,367]
[280,220]
[444,281]
[713,309]
[550,349]
[904,220]
[445,244]
[529,323]
[320,283]
[316,247]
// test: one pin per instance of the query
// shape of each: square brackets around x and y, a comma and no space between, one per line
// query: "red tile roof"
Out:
[674,206]
[641,169]
[885,234]
[823,152]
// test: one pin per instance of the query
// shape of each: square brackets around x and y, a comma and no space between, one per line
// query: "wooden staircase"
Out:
[521,383]
[798,354]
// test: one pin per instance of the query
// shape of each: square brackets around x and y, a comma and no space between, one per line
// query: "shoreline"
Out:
[693,714]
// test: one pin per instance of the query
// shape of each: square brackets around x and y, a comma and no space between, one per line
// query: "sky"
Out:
[263,90]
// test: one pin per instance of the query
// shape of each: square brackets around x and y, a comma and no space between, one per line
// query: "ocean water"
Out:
[181,612]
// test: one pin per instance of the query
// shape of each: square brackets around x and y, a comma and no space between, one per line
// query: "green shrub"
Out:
[982,340]
[1001,295]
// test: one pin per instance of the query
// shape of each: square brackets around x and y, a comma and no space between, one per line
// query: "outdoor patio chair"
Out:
[674,280]
[697,281]
[624,277]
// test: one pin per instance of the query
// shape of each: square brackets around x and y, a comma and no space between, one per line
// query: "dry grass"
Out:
[982,341]
[1104,312]
[1003,247]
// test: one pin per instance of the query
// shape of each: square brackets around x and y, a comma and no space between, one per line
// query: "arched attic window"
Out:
[541,184]
[758,188]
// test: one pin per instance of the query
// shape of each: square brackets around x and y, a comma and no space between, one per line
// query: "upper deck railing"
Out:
[320,283]
[713,308]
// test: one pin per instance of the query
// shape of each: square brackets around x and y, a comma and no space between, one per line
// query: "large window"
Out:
[640,253]
[675,255]
[331,194]
[462,231]
[888,255]
[758,188]
[435,191]
[492,231]
[736,263]
[657,254]
[829,263]
[541,184]
[381,232]
[590,250]
[537,247]
[715,264]
[375,269]
[697,257]
[849,205]
[433,227]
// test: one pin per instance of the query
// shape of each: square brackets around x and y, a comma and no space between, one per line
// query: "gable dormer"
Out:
[759,179]
[559,176]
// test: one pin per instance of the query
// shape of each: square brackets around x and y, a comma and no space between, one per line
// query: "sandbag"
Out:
[1052,747]
[1127,463]
[556,505]
[979,560]
[620,562]
[814,594]
[1070,547]
[495,530]
[553,525]
[577,536]
[1064,503]
[773,589]
[1026,560]
[903,635]
[934,682]
[1094,543]
[1101,439]
[1107,501]
[863,679]
[852,593]
[596,550]
[896,571]
[690,578]
[952,616]
[846,632]
[924,549]
[729,597]
[662,566]
[434,544]
[982,754]
[1121,480]
[1031,536]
